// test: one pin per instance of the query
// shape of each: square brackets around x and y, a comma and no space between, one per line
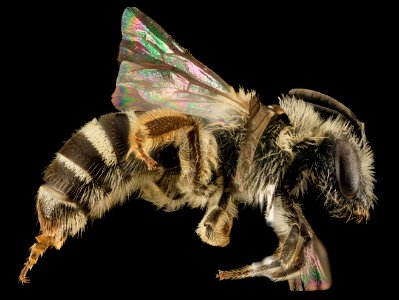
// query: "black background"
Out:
[63,72]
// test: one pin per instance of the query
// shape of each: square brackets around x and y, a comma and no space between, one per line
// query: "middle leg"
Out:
[215,227]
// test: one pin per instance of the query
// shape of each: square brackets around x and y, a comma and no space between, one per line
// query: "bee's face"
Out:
[345,180]
[329,154]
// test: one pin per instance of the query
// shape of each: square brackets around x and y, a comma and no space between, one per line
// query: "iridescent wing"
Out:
[156,72]
[316,274]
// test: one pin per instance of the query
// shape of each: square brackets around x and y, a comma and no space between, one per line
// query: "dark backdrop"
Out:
[63,72]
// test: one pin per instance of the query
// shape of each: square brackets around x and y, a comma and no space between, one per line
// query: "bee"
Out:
[183,137]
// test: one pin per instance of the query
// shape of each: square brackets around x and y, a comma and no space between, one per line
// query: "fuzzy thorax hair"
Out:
[305,147]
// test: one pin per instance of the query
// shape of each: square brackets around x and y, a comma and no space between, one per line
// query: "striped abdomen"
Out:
[87,177]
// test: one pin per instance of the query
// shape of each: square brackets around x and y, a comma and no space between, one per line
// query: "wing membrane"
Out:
[156,72]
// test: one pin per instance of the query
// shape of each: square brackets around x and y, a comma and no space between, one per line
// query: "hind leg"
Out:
[43,242]
[59,218]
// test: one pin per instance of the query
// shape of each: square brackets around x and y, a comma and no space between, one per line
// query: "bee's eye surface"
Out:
[347,169]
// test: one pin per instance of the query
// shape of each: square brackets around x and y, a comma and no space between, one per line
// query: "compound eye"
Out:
[347,169]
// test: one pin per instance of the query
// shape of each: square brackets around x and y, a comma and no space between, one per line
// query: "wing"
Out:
[156,72]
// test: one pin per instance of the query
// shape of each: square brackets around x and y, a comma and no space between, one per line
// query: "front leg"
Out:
[300,257]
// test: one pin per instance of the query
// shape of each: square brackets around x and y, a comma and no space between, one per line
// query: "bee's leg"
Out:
[163,127]
[300,257]
[43,242]
[215,227]
[282,262]
[59,218]
[139,139]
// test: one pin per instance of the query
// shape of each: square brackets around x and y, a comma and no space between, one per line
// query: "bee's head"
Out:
[332,153]
[343,170]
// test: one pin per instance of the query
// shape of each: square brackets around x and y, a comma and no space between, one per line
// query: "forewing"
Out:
[156,72]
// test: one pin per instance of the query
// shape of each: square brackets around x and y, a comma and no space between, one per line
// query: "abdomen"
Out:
[87,177]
